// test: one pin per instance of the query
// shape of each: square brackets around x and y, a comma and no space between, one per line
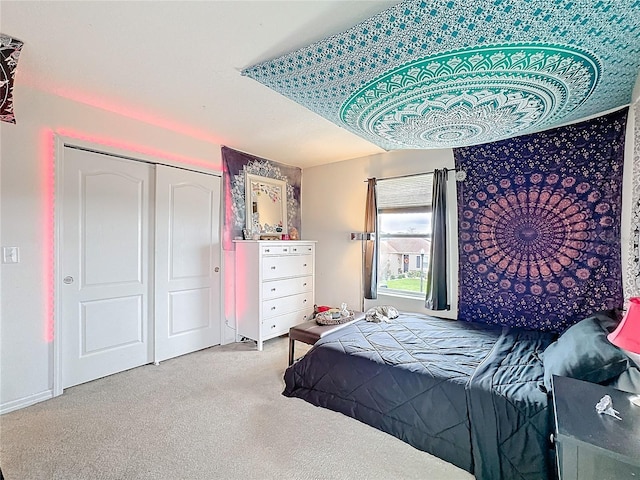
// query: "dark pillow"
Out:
[608,319]
[629,380]
[583,352]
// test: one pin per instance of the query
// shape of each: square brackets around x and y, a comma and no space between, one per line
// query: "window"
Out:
[404,233]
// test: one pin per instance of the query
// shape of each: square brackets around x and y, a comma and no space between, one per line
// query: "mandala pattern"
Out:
[472,97]
[444,73]
[9,55]
[632,277]
[539,223]
[235,165]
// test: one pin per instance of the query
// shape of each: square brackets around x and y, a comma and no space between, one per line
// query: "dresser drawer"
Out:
[286,266]
[302,249]
[275,249]
[281,324]
[280,306]
[289,286]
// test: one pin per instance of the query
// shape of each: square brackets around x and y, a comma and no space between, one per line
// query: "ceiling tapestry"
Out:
[449,74]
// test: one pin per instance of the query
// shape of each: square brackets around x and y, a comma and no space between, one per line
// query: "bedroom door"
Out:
[187,275]
[104,271]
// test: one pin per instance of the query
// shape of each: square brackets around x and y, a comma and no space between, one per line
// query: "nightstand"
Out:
[590,445]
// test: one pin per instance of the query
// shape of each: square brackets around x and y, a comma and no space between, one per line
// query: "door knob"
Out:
[68,280]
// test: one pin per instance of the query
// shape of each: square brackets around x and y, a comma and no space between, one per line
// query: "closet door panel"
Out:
[104,272]
[187,279]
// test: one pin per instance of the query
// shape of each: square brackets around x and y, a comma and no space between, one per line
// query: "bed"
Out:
[471,394]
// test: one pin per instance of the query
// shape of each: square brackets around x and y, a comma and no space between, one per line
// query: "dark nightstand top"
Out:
[577,419]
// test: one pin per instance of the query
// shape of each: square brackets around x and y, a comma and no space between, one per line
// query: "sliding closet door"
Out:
[104,271]
[187,278]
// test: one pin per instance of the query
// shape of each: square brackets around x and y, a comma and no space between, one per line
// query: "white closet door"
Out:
[187,276]
[104,273]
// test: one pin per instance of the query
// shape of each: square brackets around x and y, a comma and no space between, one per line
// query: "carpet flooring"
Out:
[213,414]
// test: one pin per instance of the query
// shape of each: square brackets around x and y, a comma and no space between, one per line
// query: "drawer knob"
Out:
[304,284]
[273,326]
[285,249]
[266,250]
[273,289]
[274,267]
[304,265]
[273,308]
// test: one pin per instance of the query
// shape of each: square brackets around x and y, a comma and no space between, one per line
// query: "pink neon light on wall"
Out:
[115,106]
[47,187]
[229,256]
[137,114]
[134,148]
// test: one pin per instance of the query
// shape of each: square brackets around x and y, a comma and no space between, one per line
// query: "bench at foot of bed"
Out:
[310,332]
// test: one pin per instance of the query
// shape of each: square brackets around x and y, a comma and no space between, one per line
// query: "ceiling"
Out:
[179,65]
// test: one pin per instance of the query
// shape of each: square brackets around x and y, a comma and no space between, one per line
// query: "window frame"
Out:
[381,236]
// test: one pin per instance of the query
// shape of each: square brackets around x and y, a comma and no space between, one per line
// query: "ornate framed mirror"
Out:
[266,203]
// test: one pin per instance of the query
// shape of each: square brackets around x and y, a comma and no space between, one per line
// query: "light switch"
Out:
[10,255]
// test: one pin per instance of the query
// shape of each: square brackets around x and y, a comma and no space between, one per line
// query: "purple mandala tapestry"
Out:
[539,226]
[234,166]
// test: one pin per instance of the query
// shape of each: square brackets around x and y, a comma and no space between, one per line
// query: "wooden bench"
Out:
[310,332]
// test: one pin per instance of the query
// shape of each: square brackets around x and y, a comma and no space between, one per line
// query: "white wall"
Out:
[333,204]
[26,156]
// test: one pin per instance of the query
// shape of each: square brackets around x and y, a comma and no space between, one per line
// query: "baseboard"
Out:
[25,401]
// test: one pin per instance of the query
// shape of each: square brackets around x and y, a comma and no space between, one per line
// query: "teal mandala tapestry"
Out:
[445,73]
[539,226]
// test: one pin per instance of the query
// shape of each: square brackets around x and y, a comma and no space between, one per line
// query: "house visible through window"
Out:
[404,233]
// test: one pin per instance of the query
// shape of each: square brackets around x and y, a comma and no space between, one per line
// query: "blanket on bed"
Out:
[467,393]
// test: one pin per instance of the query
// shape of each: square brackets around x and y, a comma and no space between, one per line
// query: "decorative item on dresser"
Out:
[274,287]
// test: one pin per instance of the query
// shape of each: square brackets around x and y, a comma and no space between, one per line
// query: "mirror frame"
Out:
[251,178]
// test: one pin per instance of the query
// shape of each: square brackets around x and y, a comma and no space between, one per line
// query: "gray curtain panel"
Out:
[370,246]
[437,295]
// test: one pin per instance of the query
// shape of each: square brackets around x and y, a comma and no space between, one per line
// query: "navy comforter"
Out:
[467,393]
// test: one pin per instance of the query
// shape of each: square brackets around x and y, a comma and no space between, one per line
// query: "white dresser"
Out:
[274,287]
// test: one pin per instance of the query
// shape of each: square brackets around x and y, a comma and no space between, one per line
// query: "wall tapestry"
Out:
[9,55]
[539,226]
[632,277]
[443,74]
[235,164]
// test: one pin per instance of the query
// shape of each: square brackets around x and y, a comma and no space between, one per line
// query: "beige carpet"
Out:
[213,414]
